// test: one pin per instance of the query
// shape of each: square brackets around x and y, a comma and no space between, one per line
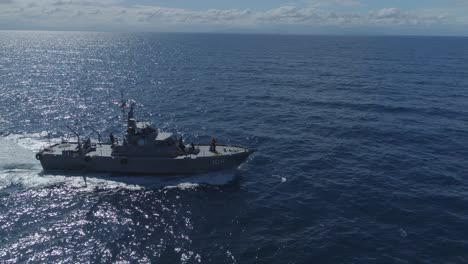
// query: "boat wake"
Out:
[20,170]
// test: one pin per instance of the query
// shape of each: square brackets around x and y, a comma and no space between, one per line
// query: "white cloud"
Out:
[314,16]
[328,3]
[394,16]
[84,3]
[183,16]
[388,13]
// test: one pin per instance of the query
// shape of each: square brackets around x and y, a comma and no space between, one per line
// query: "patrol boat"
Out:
[143,150]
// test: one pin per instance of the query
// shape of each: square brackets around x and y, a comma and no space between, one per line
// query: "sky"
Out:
[360,17]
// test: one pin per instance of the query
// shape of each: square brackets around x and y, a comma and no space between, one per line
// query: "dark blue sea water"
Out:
[362,146]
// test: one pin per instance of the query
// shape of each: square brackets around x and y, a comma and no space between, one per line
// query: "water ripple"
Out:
[361,148]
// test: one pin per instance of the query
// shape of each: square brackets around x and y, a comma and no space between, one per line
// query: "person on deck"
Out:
[112,139]
[191,148]
[213,144]
[181,145]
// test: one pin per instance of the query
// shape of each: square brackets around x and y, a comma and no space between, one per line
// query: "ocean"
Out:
[361,148]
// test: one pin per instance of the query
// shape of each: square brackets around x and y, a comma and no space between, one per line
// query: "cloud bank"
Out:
[114,15]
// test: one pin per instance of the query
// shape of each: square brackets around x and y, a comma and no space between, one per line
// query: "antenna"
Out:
[77,135]
[48,138]
[95,131]
[123,103]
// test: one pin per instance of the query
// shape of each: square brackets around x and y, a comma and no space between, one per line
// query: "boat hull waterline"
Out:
[101,160]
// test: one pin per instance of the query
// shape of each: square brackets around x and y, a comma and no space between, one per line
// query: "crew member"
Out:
[213,144]
[181,145]
[191,148]
[112,139]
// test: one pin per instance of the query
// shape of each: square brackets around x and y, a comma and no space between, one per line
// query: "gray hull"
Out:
[205,161]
